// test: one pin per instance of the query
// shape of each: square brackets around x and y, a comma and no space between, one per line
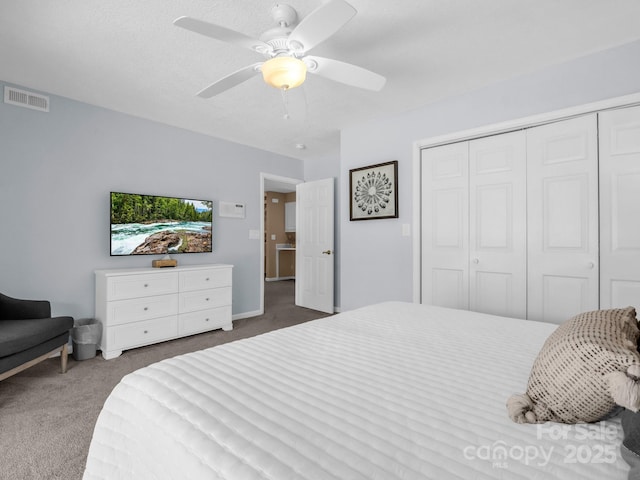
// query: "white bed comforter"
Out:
[390,391]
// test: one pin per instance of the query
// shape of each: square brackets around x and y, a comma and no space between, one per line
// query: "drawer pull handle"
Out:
[206,319]
[207,279]
[146,308]
[146,331]
[207,299]
[146,285]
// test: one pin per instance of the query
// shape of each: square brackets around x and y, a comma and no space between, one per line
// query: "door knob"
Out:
[327,252]
[591,265]
[476,260]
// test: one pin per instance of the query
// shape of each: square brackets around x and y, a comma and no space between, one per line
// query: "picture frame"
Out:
[373,191]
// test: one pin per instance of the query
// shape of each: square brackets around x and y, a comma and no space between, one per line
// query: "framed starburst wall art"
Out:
[374,191]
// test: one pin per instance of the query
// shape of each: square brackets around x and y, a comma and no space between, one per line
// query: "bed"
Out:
[389,391]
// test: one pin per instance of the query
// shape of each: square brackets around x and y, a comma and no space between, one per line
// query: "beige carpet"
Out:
[47,419]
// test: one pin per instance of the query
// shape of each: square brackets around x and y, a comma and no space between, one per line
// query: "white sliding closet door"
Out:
[474,225]
[562,191]
[445,226]
[620,208]
[498,225]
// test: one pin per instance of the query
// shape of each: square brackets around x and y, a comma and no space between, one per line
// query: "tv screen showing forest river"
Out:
[152,225]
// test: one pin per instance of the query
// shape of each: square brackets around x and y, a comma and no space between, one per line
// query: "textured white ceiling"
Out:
[128,56]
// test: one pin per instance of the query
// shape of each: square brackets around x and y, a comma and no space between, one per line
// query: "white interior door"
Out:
[620,208]
[498,225]
[315,245]
[562,198]
[445,226]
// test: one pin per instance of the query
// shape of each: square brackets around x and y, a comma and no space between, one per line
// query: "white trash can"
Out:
[85,336]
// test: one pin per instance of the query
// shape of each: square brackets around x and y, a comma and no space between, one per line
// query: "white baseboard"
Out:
[256,313]
[239,316]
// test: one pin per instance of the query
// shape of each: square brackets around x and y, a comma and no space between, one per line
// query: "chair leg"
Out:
[64,354]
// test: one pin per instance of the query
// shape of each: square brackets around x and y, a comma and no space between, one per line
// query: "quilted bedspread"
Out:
[389,391]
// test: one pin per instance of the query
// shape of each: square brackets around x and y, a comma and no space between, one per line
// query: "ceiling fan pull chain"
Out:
[286,115]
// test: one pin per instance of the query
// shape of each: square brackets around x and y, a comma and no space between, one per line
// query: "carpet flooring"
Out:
[47,419]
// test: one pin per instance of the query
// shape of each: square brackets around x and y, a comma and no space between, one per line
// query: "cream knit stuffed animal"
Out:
[587,367]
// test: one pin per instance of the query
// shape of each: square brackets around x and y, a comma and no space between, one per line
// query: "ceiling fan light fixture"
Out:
[284,72]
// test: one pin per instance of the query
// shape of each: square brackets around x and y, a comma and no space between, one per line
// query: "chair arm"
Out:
[17,309]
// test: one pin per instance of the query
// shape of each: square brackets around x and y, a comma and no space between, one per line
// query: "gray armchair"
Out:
[29,335]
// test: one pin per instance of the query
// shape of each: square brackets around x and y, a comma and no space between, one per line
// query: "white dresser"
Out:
[141,306]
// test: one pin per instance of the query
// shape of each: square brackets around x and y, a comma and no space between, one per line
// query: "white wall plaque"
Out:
[231,209]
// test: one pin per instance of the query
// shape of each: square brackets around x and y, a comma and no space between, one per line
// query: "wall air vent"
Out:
[22,98]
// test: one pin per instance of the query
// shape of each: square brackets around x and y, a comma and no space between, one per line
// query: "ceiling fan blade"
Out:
[230,81]
[345,73]
[222,33]
[320,24]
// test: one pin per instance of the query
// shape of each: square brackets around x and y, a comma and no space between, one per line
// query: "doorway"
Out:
[278,289]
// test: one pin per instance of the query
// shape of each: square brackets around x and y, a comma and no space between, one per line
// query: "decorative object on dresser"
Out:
[29,335]
[142,306]
[373,191]
[163,263]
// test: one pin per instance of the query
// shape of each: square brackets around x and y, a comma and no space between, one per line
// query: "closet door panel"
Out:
[564,297]
[620,207]
[445,231]
[448,288]
[562,214]
[566,222]
[497,186]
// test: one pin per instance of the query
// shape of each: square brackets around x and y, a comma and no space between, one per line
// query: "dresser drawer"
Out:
[204,279]
[203,320]
[204,299]
[136,309]
[142,333]
[145,285]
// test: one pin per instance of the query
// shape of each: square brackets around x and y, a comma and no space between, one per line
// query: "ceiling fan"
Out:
[286,48]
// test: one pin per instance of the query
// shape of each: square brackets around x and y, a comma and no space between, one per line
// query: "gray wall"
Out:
[58,168]
[376,261]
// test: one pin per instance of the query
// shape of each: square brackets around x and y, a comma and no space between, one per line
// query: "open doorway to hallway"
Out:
[278,240]
[280,235]
[278,295]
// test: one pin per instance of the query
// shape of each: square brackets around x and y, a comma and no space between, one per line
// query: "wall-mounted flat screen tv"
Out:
[154,225]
